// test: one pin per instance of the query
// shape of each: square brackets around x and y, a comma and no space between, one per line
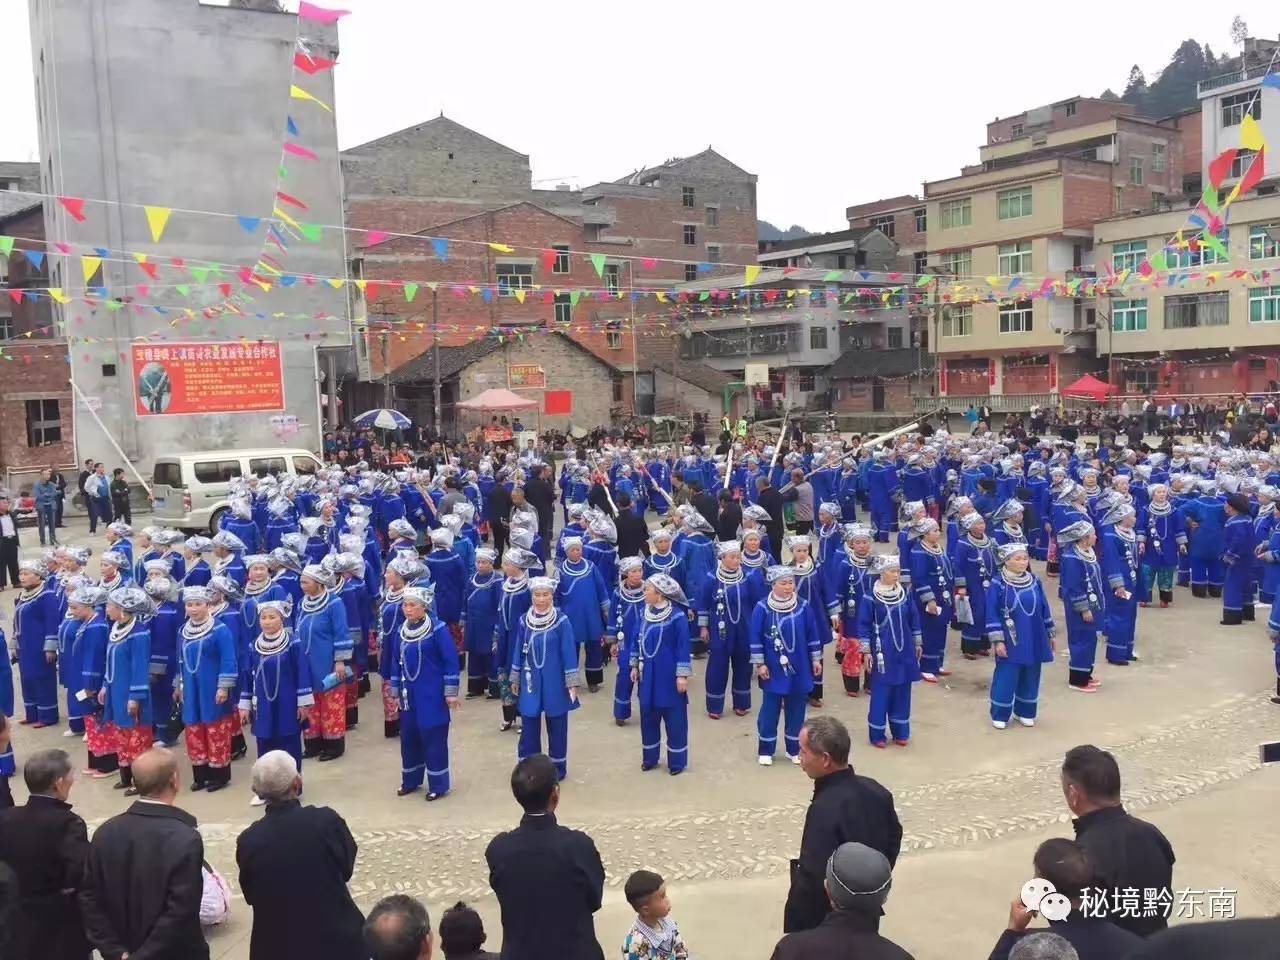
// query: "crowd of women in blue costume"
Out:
[277,623]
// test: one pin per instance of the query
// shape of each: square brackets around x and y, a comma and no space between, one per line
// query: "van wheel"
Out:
[215,521]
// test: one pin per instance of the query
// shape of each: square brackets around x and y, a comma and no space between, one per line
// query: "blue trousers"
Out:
[676,720]
[480,667]
[884,519]
[891,709]
[424,751]
[557,740]
[40,694]
[623,689]
[1206,571]
[593,660]
[47,520]
[75,712]
[1121,622]
[290,744]
[1184,569]
[1015,688]
[792,707]
[1082,644]
[720,659]
[1237,588]
[934,635]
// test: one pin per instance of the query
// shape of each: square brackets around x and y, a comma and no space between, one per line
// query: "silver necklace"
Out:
[193,635]
[411,634]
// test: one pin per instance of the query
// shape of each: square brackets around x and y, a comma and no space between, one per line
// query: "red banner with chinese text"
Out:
[184,378]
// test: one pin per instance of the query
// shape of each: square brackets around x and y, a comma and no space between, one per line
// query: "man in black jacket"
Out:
[729,519]
[540,492]
[142,879]
[498,512]
[633,532]
[46,844]
[703,502]
[1125,851]
[295,864]
[548,879]
[770,500]
[845,808]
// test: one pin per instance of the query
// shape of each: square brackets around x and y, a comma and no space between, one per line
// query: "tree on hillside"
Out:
[1135,91]
[1175,89]
[1108,94]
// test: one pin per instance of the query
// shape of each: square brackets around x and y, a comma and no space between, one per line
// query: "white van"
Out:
[190,489]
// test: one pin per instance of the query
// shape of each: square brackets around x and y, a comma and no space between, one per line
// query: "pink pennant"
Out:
[300,151]
[178,262]
[144,290]
[649,263]
[375,236]
[74,206]
[62,247]
[309,11]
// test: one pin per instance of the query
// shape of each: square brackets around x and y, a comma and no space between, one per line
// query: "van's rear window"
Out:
[167,474]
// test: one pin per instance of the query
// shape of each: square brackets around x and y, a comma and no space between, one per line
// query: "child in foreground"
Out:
[654,935]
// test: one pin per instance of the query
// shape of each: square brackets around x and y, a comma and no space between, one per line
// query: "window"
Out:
[304,466]
[922,219]
[613,339]
[842,261]
[218,471]
[266,465]
[686,196]
[617,389]
[713,253]
[713,216]
[592,232]
[6,325]
[44,423]
[920,263]
[958,263]
[1237,105]
[1119,199]
[805,383]
[1128,254]
[1015,317]
[612,279]
[895,338]
[514,276]
[1157,158]
[956,213]
[1128,316]
[1013,203]
[563,308]
[1135,169]
[1243,160]
[884,225]
[1264,241]
[690,234]
[690,272]
[1016,130]
[1014,258]
[1196,310]
[167,475]
[1264,305]
[1141,380]
[561,264]
[108,369]
[817,338]
[1201,255]
[957,320]
[1071,108]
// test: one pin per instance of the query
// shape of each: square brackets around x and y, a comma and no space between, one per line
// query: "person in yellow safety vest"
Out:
[742,428]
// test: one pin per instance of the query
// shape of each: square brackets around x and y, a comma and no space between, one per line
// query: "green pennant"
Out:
[833,275]
[1159,261]
[1216,245]
[6,245]
[312,231]
[574,296]
[114,305]
[705,295]
[200,273]
[282,172]
[410,291]
[597,261]
[924,280]
[1210,199]
[183,289]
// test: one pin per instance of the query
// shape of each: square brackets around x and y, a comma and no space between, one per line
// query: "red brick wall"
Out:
[1087,112]
[37,371]
[856,397]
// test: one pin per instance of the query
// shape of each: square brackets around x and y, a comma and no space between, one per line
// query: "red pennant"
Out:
[1220,167]
[311,65]
[16,295]
[292,201]
[225,289]
[1254,173]
[370,291]
[548,297]
[649,263]
[74,206]
[549,257]
[152,270]
[178,262]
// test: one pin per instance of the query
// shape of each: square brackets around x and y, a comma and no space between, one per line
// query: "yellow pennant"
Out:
[335,282]
[519,294]
[157,220]
[297,93]
[90,266]
[502,248]
[750,275]
[57,294]
[1251,137]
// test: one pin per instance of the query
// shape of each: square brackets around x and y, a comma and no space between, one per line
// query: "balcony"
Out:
[1234,77]
[998,402]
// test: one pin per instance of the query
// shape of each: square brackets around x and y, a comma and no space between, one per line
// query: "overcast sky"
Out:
[828,103]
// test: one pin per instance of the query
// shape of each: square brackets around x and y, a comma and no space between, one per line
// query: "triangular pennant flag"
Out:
[183,289]
[57,294]
[291,200]
[34,257]
[200,273]
[90,266]
[501,248]
[1215,244]
[297,93]
[309,11]
[549,258]
[519,294]
[1271,80]
[832,275]
[1253,175]
[1251,134]
[574,297]
[157,219]
[1220,167]
[249,224]
[441,248]
[16,295]
[6,245]
[1159,261]
[150,269]
[290,126]
[597,261]
[487,295]
[311,65]
[410,291]
[74,206]
[335,282]
[1210,199]
[649,263]
[224,289]
[375,236]
[299,151]
[749,275]
[114,305]
[312,231]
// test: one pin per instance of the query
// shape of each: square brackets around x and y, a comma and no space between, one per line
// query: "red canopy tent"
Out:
[1091,388]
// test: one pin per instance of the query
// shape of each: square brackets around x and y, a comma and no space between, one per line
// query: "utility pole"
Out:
[386,368]
[635,363]
[751,394]
[435,348]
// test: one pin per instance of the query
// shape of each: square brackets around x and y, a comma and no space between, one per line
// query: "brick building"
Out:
[904,220]
[655,228]
[36,406]
[876,381]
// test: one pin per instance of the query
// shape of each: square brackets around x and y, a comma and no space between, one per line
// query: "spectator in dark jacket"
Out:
[295,864]
[770,500]
[497,511]
[845,808]
[729,519]
[1125,851]
[1064,864]
[119,487]
[46,844]
[540,492]
[143,879]
[633,532]
[549,879]
[703,502]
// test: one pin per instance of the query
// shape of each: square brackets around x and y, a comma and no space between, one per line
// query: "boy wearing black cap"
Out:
[654,935]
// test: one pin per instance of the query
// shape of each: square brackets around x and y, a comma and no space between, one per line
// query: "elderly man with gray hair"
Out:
[857,881]
[295,864]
